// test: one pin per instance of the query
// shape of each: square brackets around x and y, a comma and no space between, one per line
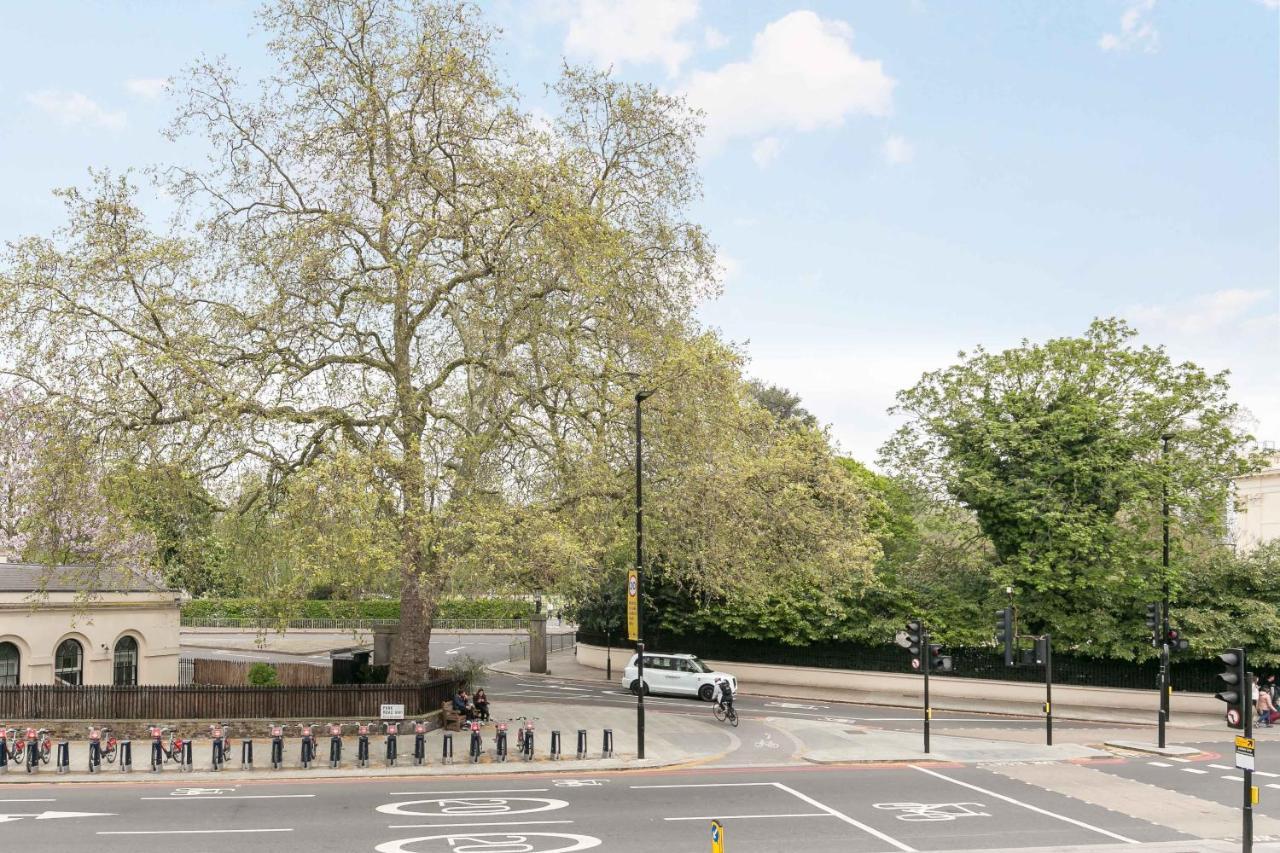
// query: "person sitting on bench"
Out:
[481,703]
[462,707]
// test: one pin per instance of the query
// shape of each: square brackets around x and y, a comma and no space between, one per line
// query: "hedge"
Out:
[251,608]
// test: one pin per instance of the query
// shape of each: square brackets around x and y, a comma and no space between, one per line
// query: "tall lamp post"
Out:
[641,396]
[1166,681]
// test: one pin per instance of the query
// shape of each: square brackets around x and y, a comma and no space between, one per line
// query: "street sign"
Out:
[717,837]
[392,712]
[633,606]
[1244,753]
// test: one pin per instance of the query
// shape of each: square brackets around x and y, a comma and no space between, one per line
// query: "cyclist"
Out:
[723,694]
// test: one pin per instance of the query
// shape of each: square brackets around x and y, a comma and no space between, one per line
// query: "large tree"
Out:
[1057,450]
[386,256]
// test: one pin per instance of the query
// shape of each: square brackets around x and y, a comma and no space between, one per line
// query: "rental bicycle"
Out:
[725,712]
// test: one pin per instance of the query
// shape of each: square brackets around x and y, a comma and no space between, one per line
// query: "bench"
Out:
[450,719]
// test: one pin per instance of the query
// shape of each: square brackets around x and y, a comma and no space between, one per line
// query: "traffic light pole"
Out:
[1164,692]
[926,665]
[1048,690]
[1165,686]
[1246,841]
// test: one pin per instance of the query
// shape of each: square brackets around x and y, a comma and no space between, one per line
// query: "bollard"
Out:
[477,746]
[528,742]
[64,757]
[335,744]
[218,757]
[362,746]
[446,749]
[277,747]
[555,744]
[246,754]
[157,751]
[392,730]
[606,750]
[500,746]
[187,763]
[308,748]
[419,743]
[582,743]
[126,756]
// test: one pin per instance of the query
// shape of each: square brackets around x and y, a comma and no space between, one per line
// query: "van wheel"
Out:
[635,687]
[705,692]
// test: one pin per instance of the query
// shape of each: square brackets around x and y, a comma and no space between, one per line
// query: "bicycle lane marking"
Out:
[444,811]
[1028,806]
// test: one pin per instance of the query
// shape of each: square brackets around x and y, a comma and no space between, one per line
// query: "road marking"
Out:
[454,651]
[1272,785]
[489,791]
[40,800]
[5,818]
[1036,809]
[1159,764]
[1221,767]
[844,817]
[1264,773]
[1233,778]
[185,831]
[710,785]
[505,840]
[472,806]
[233,797]
[747,816]
[1194,770]
[486,823]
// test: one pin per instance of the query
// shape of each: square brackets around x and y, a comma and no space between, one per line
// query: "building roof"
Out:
[37,577]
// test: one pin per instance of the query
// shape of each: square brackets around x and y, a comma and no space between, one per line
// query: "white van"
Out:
[682,675]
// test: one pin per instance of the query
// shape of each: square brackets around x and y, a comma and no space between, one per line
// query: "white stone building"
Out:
[1257,518]
[85,625]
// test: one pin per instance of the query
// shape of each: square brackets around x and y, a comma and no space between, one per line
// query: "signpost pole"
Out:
[1246,841]
[1048,690]
[925,665]
[1164,691]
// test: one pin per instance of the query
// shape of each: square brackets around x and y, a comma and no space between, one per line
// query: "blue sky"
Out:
[887,182]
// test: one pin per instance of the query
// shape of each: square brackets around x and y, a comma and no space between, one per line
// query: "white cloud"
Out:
[766,151]
[1270,4]
[1136,29]
[616,32]
[146,87]
[714,39]
[898,150]
[1222,311]
[729,267]
[802,75]
[75,108]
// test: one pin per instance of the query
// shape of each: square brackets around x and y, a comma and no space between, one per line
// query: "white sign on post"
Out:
[392,712]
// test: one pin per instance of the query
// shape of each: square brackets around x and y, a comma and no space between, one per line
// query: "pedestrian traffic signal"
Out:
[1232,686]
[912,641]
[1153,623]
[938,662]
[1004,633]
[1177,642]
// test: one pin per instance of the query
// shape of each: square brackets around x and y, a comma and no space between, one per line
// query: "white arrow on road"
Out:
[51,815]
[455,651]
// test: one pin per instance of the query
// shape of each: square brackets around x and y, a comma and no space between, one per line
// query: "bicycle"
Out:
[106,743]
[16,745]
[725,712]
[174,751]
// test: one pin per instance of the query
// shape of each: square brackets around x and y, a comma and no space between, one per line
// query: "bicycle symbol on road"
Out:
[934,811]
[767,742]
[198,792]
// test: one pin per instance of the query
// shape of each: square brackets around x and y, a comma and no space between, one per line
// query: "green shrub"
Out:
[263,675]
[252,608]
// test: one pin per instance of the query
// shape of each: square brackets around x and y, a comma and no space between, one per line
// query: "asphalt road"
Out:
[851,810]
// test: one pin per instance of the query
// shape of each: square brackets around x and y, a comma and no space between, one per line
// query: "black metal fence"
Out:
[1190,674]
[175,702]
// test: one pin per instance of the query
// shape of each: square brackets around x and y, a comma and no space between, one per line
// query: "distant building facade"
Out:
[84,625]
[1257,518]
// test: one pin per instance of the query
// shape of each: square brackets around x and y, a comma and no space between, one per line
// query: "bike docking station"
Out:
[277,746]
[419,744]
[555,745]
[308,748]
[526,741]
[246,754]
[126,756]
[157,749]
[392,740]
[500,742]
[582,744]
[606,749]
[4,750]
[446,748]
[95,749]
[64,757]
[477,744]
[362,746]
[335,745]
[33,751]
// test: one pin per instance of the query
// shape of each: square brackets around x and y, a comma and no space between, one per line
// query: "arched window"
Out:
[68,663]
[9,660]
[126,662]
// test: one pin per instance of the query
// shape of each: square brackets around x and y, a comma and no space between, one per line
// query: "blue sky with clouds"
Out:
[887,182]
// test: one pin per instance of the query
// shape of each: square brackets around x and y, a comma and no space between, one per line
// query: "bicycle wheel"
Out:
[109,754]
[45,749]
[720,713]
[733,717]
[18,752]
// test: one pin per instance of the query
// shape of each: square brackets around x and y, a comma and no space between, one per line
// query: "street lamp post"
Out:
[1165,679]
[641,396]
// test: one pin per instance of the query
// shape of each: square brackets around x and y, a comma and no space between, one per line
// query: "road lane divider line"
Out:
[185,831]
[484,791]
[1221,767]
[710,785]
[36,800]
[1195,770]
[749,816]
[485,823]
[185,797]
[1028,806]
[1159,764]
[870,830]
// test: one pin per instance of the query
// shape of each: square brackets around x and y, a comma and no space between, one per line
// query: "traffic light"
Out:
[1153,623]
[914,630]
[1004,633]
[1177,642]
[938,662]
[1232,685]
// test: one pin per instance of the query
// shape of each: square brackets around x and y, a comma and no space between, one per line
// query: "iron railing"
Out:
[333,624]
[519,649]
